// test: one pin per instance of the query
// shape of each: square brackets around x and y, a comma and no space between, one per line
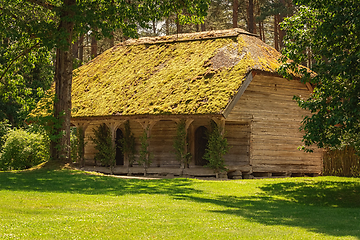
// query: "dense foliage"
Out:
[324,36]
[23,149]
[26,72]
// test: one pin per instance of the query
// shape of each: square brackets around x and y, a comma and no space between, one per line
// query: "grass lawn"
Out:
[68,204]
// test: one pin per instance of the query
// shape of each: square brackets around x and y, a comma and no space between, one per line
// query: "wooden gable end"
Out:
[274,118]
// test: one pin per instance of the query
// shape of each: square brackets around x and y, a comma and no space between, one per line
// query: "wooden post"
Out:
[220,122]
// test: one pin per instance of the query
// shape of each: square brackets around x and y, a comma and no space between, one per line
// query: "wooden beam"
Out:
[145,117]
[309,87]
[237,96]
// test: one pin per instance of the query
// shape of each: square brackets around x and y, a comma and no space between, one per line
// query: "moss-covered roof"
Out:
[196,73]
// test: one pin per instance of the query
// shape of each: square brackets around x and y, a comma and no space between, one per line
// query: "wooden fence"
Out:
[342,162]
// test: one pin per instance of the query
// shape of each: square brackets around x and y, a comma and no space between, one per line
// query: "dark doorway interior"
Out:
[119,157]
[200,146]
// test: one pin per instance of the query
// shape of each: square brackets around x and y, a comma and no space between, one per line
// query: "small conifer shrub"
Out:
[127,143]
[216,148]
[104,145]
[145,156]
[180,144]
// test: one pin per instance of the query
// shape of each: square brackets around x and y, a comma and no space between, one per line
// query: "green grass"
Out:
[66,204]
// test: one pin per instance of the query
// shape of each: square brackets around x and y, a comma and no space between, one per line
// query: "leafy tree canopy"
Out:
[25,66]
[324,35]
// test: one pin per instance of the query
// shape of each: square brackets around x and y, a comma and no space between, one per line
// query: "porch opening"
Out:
[201,142]
[119,157]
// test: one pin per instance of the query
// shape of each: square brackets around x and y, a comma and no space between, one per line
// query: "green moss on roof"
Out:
[198,75]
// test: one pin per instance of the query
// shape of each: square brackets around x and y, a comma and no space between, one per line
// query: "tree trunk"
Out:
[154,27]
[260,31]
[60,147]
[251,21]
[235,13]
[281,32]
[203,28]
[112,40]
[276,32]
[94,47]
[178,26]
[81,49]
[167,26]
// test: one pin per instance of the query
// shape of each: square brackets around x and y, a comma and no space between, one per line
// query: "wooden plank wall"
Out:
[275,122]
[238,138]
[161,144]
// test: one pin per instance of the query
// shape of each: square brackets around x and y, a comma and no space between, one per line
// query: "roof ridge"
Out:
[183,37]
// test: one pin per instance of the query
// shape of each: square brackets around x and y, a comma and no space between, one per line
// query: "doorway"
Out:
[201,142]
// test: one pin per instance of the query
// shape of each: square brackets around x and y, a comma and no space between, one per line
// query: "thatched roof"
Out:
[197,73]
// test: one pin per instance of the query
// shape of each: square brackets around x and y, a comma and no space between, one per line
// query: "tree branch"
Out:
[42,4]
[26,51]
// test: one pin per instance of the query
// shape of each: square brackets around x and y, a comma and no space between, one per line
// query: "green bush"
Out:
[127,143]
[216,149]
[23,149]
[180,144]
[145,156]
[104,145]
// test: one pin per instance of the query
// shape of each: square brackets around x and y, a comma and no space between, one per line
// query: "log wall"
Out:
[238,138]
[275,120]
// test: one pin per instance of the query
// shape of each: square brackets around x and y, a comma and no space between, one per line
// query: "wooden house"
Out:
[227,76]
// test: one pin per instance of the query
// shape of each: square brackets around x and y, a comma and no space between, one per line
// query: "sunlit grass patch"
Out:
[67,204]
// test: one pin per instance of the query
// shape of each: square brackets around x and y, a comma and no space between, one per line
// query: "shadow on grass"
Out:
[327,207]
[77,182]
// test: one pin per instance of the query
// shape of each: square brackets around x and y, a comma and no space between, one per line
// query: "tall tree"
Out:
[66,19]
[278,10]
[235,13]
[327,34]
[251,19]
